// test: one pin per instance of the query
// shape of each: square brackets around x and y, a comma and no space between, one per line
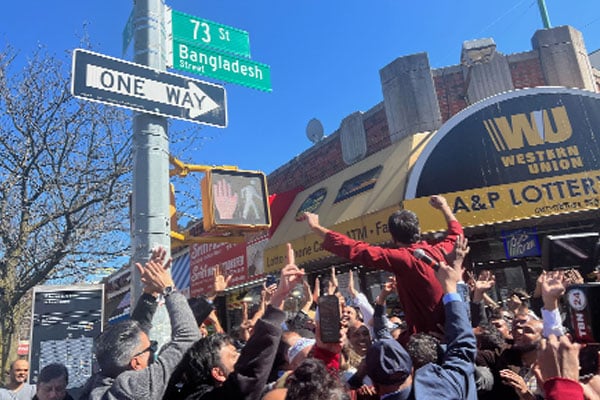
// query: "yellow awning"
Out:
[363,216]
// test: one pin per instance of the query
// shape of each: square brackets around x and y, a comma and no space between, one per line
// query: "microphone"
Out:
[420,255]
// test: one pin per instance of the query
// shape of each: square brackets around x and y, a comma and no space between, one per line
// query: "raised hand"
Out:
[158,270]
[267,292]
[572,277]
[316,290]
[485,281]
[291,275]
[307,295]
[225,199]
[449,276]
[312,219]
[155,277]
[220,281]
[333,282]
[388,288]
[553,287]
[314,224]
[438,202]
[351,288]
[458,254]
[558,357]
[159,255]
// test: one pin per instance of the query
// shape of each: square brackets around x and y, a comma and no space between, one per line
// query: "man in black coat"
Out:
[215,370]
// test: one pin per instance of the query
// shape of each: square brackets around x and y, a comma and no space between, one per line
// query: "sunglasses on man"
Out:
[152,349]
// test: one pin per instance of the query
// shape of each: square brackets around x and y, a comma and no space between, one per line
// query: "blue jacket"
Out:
[454,378]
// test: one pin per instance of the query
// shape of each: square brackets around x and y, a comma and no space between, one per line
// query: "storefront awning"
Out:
[279,204]
[180,271]
[530,153]
[356,201]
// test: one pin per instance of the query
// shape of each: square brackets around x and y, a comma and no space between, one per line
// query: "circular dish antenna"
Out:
[314,130]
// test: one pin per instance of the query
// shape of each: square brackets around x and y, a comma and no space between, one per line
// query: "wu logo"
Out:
[536,128]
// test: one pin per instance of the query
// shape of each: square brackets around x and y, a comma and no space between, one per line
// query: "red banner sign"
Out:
[23,348]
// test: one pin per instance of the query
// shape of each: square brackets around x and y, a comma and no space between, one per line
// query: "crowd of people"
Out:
[51,384]
[453,340]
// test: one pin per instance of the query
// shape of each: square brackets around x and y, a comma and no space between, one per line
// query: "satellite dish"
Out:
[314,130]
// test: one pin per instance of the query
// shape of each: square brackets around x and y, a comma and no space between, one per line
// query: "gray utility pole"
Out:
[150,200]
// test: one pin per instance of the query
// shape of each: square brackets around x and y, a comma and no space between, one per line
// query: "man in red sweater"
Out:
[418,290]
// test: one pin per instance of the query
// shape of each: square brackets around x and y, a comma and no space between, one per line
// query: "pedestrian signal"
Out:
[235,200]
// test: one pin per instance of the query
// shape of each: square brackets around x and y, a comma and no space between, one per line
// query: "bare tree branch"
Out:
[64,178]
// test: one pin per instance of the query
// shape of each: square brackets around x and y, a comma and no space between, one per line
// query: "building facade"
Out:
[510,140]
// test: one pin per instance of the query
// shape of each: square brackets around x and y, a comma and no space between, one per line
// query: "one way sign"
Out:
[120,83]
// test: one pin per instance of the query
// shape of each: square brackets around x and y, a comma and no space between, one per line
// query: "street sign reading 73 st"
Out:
[201,32]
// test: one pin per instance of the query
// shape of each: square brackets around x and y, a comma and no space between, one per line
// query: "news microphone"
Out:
[420,255]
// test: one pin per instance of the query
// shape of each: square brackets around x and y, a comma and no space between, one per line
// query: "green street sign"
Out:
[201,32]
[221,66]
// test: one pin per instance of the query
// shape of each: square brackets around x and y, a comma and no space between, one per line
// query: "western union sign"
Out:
[524,154]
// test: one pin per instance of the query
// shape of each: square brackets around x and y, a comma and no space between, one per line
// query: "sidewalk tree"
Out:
[64,177]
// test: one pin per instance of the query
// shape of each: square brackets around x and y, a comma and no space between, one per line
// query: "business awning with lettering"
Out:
[530,153]
[356,201]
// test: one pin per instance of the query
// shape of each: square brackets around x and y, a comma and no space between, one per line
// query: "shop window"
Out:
[312,203]
[510,276]
[359,184]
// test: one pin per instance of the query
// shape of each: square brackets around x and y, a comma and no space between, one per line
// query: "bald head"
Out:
[19,373]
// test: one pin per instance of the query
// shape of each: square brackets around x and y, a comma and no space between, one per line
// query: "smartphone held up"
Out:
[329,318]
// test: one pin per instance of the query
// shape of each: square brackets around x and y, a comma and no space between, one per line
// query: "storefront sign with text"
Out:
[515,201]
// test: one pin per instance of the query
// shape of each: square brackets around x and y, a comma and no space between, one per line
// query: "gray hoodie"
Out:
[151,383]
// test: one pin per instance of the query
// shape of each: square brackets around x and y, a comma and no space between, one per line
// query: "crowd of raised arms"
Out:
[452,340]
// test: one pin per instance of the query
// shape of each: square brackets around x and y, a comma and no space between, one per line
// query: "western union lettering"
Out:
[548,160]
[534,129]
[226,67]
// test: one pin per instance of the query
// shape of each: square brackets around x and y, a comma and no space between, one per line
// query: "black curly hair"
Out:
[311,380]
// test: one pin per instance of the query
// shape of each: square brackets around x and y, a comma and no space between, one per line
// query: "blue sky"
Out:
[325,56]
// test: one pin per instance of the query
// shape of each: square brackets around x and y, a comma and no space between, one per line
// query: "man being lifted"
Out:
[418,290]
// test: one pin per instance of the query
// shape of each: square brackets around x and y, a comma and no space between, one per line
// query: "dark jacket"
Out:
[67,397]
[249,378]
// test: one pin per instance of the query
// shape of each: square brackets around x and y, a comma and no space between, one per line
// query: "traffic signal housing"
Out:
[235,200]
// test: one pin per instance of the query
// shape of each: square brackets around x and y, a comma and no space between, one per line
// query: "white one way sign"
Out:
[112,81]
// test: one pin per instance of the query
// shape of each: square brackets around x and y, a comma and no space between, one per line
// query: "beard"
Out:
[526,347]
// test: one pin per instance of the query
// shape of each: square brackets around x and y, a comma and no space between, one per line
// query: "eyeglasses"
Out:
[152,348]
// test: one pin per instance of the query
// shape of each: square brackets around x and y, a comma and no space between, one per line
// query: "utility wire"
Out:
[591,22]
[504,15]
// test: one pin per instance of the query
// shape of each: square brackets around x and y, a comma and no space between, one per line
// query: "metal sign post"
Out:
[150,200]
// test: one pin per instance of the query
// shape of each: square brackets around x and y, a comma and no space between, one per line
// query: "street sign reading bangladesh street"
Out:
[218,65]
[201,32]
[120,83]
